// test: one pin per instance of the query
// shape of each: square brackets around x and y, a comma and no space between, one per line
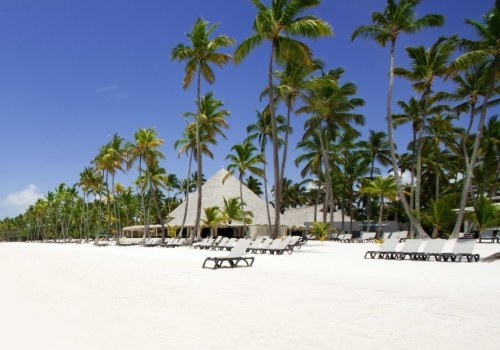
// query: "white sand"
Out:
[321,297]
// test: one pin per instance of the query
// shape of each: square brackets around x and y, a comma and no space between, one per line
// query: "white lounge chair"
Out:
[410,249]
[432,248]
[463,248]
[386,249]
[235,256]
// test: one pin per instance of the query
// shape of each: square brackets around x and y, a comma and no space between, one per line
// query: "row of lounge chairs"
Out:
[258,245]
[424,250]
[241,247]
[367,237]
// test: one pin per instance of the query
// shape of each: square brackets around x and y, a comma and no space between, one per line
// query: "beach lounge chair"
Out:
[175,243]
[410,249]
[279,247]
[201,243]
[366,237]
[206,244]
[386,235]
[463,248]
[386,249]
[152,242]
[295,242]
[263,245]
[219,246]
[227,245]
[487,236]
[340,236]
[402,235]
[432,248]
[235,256]
[347,238]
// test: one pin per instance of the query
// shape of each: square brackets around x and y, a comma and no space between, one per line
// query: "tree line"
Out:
[449,166]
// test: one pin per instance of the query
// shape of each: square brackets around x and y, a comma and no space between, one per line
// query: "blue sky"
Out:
[76,72]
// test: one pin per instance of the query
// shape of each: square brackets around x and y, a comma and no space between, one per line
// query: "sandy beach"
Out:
[69,296]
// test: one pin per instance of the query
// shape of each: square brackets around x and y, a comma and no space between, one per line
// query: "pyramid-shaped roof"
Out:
[213,194]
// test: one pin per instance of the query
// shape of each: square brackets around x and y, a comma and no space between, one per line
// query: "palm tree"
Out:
[279,23]
[293,82]
[427,65]
[145,150]
[213,218]
[210,120]
[490,159]
[439,214]
[487,49]
[377,148]
[398,17]
[199,55]
[244,159]
[486,214]
[331,106]
[231,211]
[87,177]
[470,85]
[440,133]
[111,158]
[156,178]
[381,188]
[254,185]
[262,131]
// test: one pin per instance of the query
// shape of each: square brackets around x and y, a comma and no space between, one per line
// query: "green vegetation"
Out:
[450,167]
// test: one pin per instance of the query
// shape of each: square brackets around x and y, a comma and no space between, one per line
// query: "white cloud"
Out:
[107,88]
[405,176]
[17,202]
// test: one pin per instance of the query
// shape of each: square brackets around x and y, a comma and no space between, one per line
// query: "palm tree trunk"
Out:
[143,199]
[276,162]
[266,196]
[418,189]
[285,142]
[379,229]
[196,230]
[158,212]
[475,151]
[242,206]
[328,177]
[390,132]
[186,201]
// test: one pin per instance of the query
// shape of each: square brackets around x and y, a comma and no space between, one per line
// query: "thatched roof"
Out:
[298,217]
[214,192]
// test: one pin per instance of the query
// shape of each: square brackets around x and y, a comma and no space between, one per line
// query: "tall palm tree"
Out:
[244,160]
[261,131]
[331,107]
[486,49]
[112,157]
[440,133]
[156,178]
[199,55]
[427,65]
[210,120]
[381,188]
[376,148]
[490,156]
[398,17]
[470,86]
[145,150]
[293,82]
[280,23]
[87,177]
